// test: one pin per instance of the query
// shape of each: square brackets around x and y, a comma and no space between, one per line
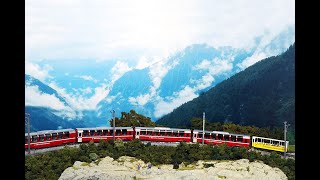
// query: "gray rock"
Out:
[126,168]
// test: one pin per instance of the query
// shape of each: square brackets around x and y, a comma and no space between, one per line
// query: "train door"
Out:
[194,139]
[79,136]
[137,133]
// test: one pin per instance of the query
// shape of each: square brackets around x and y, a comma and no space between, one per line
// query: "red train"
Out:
[49,138]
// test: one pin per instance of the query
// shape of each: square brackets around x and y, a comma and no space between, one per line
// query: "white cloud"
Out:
[88,78]
[252,59]
[41,73]
[130,29]
[80,103]
[118,70]
[271,44]
[87,90]
[140,100]
[33,97]
[213,68]
[183,96]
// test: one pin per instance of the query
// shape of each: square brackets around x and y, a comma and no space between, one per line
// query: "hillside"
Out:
[261,95]
[45,119]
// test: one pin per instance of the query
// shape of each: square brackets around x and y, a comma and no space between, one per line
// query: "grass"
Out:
[84,164]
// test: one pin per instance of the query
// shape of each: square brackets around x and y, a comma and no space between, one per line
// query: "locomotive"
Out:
[50,138]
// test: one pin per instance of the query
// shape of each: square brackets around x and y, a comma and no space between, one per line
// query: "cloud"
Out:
[213,68]
[41,73]
[88,78]
[140,100]
[183,96]
[130,29]
[78,101]
[33,97]
[270,44]
[252,59]
[118,70]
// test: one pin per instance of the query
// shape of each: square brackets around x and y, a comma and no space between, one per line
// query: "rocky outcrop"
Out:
[127,168]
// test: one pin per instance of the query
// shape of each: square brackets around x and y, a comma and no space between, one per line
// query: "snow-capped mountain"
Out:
[89,89]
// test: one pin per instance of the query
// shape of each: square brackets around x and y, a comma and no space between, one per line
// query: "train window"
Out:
[66,135]
[85,133]
[92,132]
[207,135]
[162,133]
[105,132]
[220,136]
[99,132]
[176,134]
[143,132]
[54,136]
[41,137]
[233,138]
[48,137]
[181,133]
[34,138]
[200,135]
[60,134]
[124,132]
[149,133]
[213,136]
[168,133]
[118,132]
[259,140]
[281,143]
[267,141]
[240,138]
[226,137]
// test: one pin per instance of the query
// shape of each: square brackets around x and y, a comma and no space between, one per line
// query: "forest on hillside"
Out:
[262,95]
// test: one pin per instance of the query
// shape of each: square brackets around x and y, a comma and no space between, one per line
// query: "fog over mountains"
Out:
[87,90]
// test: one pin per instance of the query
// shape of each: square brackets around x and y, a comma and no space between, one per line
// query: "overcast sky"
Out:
[135,29]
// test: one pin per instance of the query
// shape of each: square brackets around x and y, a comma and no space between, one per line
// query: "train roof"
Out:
[220,132]
[48,132]
[268,138]
[163,128]
[102,128]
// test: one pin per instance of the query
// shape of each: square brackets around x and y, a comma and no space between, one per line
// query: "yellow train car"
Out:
[270,144]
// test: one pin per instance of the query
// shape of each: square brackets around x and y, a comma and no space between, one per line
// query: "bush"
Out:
[175,165]
[57,161]
[93,156]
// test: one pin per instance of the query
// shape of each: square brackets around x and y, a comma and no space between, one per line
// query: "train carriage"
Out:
[269,144]
[105,133]
[220,137]
[162,134]
[49,138]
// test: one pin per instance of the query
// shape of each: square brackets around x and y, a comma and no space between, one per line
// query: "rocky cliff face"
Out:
[127,168]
